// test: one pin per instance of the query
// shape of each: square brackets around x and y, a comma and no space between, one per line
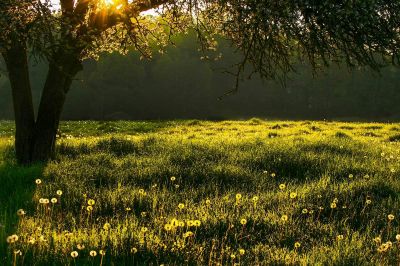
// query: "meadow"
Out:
[251,192]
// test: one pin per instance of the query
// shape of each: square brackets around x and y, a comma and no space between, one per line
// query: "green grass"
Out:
[344,176]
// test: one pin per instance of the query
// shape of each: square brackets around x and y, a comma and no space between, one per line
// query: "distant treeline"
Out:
[179,85]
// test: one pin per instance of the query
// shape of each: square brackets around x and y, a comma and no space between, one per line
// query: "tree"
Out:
[271,35]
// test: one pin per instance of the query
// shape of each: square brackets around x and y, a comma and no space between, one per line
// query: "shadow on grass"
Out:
[16,191]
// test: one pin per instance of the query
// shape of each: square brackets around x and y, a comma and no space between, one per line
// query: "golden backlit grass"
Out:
[207,193]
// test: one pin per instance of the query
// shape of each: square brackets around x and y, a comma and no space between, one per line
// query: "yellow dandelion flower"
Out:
[59,192]
[174,222]
[134,250]
[350,175]
[293,195]
[282,186]
[197,223]
[102,252]
[389,244]
[21,212]
[377,240]
[368,201]
[233,256]
[144,229]
[273,175]
[391,217]
[304,211]
[173,178]
[333,205]
[181,206]
[208,202]
[398,237]
[255,198]
[38,181]
[12,239]
[91,202]
[89,208]
[93,253]
[241,251]
[128,209]
[284,218]
[339,237]
[190,223]
[243,221]
[106,226]
[141,191]
[54,200]
[80,246]
[238,196]
[74,254]
[297,244]
[188,234]
[181,224]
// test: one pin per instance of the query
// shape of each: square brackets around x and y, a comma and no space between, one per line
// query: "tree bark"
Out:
[18,73]
[58,82]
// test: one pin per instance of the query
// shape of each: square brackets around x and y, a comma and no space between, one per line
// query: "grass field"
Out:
[206,193]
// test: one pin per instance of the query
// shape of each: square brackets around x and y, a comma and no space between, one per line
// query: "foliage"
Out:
[304,196]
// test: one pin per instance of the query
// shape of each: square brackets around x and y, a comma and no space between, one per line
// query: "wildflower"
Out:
[173,178]
[134,250]
[38,181]
[80,246]
[89,208]
[333,205]
[304,211]
[106,226]
[208,202]
[273,175]
[392,170]
[188,234]
[238,196]
[265,172]
[197,223]
[243,221]
[144,229]
[102,252]
[391,217]
[12,239]
[389,244]
[21,212]
[93,253]
[91,202]
[255,199]
[282,186]
[143,214]
[181,224]
[233,256]
[128,209]
[339,237]
[368,201]
[335,200]
[241,251]
[350,176]
[181,206]
[74,254]
[53,200]
[31,240]
[293,195]
[377,240]
[59,192]
[141,191]
[46,201]
[168,227]
[177,186]
[284,218]
[297,245]
[398,237]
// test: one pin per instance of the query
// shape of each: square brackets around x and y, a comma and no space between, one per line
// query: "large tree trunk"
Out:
[58,82]
[18,74]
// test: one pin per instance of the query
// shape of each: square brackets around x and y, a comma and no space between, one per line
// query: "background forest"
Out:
[183,83]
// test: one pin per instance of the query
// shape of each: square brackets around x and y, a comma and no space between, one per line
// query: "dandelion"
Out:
[106,226]
[255,199]
[197,223]
[392,170]
[293,195]
[339,237]
[31,240]
[297,245]
[91,202]
[134,250]
[208,202]
[89,208]
[273,175]
[238,196]
[74,254]
[141,191]
[59,192]
[80,246]
[93,253]
[243,221]
[21,212]
[241,251]
[350,176]
[282,186]
[391,217]
[173,178]
[233,256]
[188,234]
[181,206]
[181,224]
[144,230]
[377,240]
[389,243]
[265,172]
[284,218]
[12,239]
[53,200]
[102,252]
[304,211]
[333,205]
[46,201]
[128,209]
[368,201]
[38,181]
[335,200]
